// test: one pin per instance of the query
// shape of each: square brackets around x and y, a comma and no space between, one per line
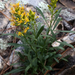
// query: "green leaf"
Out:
[59,47]
[56,60]
[15,44]
[34,62]
[57,55]
[29,57]
[49,36]
[45,67]
[14,34]
[14,71]
[14,64]
[53,36]
[49,67]
[64,59]
[41,14]
[66,31]
[39,26]
[46,57]
[39,32]
[40,57]
[57,22]
[66,44]
[56,16]
[27,68]
[21,55]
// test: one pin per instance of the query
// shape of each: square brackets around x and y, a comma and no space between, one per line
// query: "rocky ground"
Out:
[68,23]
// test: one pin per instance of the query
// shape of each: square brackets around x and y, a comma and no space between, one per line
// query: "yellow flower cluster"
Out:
[52,6]
[53,3]
[20,17]
[22,33]
[25,30]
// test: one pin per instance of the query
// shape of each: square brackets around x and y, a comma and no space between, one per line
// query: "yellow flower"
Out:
[13,17]
[14,5]
[26,20]
[27,14]
[20,21]
[18,24]
[13,24]
[11,8]
[19,12]
[11,20]
[13,11]
[55,5]
[27,28]
[20,34]
[22,8]
[24,13]
[17,19]
[21,15]
[17,4]
[37,17]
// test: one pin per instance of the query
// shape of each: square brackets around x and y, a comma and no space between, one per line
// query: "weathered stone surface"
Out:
[55,44]
[14,57]
[2,63]
[67,14]
[32,2]
[72,35]
[69,27]
[70,38]
[70,71]
[3,22]
[74,0]
[2,4]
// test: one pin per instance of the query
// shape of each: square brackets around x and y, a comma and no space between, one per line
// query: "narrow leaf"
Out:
[39,32]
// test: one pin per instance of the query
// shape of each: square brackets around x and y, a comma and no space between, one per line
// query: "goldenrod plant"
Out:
[38,54]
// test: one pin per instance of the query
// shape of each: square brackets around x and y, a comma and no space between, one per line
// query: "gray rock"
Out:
[69,71]
[3,22]
[14,57]
[67,14]
[32,2]
[2,63]
[72,35]
[69,27]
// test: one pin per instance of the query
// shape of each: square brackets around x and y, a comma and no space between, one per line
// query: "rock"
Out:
[73,0]
[32,2]
[55,44]
[3,22]
[2,63]
[70,71]
[2,4]
[10,28]
[68,3]
[70,38]
[66,39]
[67,14]
[69,27]
[43,6]
[3,44]
[14,57]
[70,64]
[72,35]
